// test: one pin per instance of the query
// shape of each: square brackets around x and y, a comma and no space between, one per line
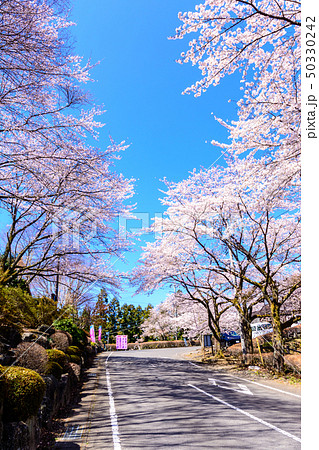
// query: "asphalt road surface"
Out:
[154,399]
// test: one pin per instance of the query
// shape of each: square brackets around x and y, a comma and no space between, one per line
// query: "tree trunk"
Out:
[278,360]
[246,337]
[213,323]
[216,345]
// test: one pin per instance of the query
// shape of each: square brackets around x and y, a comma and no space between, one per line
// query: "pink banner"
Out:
[121,342]
[92,333]
[100,333]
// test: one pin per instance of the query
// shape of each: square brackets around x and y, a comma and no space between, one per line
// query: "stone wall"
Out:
[59,395]
[26,435]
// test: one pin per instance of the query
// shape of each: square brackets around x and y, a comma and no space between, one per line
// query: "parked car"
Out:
[229,338]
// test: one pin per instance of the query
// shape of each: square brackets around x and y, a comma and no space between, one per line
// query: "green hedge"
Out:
[162,344]
[53,368]
[24,391]
[59,357]
[149,345]
[78,335]
[73,350]
[31,356]
[2,383]
[75,359]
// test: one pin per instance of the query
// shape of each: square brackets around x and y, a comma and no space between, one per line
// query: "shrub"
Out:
[16,308]
[24,393]
[59,357]
[110,347]
[61,340]
[75,359]
[78,335]
[46,310]
[73,350]
[31,356]
[54,368]
[2,383]
[10,335]
[162,344]
[19,309]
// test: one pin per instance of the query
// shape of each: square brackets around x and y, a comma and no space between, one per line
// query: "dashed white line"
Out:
[113,416]
[263,422]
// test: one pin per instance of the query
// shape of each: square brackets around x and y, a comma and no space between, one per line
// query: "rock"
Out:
[47,329]
[7,359]
[28,336]
[76,370]
[4,347]
[36,336]
[16,435]
[50,404]
[61,340]
[21,435]
[10,336]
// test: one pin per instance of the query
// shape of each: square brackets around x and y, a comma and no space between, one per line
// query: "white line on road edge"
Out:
[200,367]
[113,416]
[248,414]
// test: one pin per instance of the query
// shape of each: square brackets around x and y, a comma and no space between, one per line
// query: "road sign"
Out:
[121,342]
[207,340]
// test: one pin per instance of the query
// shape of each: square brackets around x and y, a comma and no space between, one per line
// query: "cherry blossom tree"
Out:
[192,319]
[60,194]
[259,228]
[68,224]
[161,323]
[200,314]
[173,260]
[260,39]
[39,90]
[238,226]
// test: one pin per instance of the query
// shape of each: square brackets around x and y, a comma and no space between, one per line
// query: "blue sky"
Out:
[140,85]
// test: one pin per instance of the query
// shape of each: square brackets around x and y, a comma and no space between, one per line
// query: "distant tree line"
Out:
[114,318]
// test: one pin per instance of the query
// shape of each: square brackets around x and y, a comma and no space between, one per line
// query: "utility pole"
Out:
[57,281]
[175,312]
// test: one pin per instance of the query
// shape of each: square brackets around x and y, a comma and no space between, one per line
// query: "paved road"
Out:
[153,399]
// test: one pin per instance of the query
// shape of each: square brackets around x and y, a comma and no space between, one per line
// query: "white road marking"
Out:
[265,386]
[263,422]
[223,384]
[113,416]
[195,365]
[254,382]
